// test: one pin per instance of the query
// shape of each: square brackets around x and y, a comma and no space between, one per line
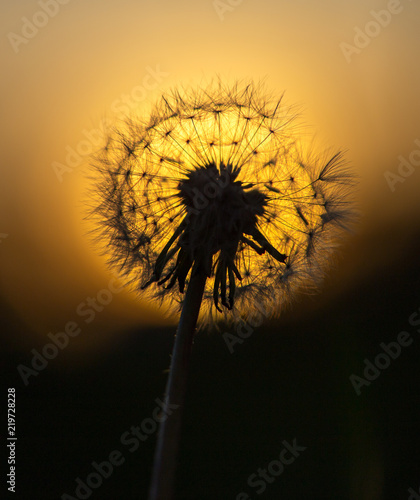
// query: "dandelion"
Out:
[211,206]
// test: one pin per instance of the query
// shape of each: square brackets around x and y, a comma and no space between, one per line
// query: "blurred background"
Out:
[68,71]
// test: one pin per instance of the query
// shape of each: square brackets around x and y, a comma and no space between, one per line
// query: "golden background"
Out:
[78,69]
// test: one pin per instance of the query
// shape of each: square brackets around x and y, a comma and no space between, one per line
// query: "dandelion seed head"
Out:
[215,182]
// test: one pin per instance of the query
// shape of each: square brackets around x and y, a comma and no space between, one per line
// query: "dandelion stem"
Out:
[165,460]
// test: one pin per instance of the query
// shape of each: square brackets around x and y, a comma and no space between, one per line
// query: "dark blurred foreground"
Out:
[287,383]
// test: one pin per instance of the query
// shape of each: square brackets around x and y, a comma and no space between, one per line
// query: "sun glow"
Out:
[214,182]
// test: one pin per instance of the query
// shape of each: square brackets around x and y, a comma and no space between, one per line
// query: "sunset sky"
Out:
[94,62]
[69,68]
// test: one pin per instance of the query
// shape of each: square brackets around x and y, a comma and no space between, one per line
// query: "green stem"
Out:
[165,460]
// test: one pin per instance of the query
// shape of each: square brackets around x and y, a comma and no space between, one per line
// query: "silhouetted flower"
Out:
[215,182]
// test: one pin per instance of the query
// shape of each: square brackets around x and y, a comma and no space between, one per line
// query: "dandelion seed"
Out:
[215,183]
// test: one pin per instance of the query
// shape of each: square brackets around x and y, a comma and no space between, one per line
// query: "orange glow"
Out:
[60,86]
